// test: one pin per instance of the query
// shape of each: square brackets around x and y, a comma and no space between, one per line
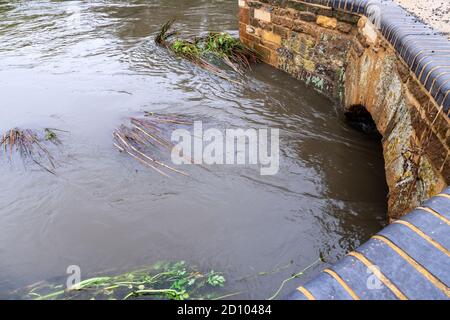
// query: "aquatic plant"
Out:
[184,47]
[191,51]
[50,135]
[230,50]
[295,276]
[164,34]
[163,280]
[221,45]
[146,136]
[29,146]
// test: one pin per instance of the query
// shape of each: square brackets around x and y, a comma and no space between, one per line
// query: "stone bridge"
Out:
[371,55]
[368,54]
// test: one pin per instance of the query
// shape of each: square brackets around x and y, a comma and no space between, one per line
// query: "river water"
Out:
[85,66]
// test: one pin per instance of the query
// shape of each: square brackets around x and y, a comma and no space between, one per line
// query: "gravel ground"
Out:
[434,12]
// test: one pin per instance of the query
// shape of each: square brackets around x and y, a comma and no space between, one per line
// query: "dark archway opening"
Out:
[360,119]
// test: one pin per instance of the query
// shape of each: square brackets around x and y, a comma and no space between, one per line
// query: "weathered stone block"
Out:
[435,150]
[271,37]
[307,16]
[242,29]
[370,33]
[253,38]
[358,47]
[274,60]
[346,17]
[287,13]
[281,31]
[304,7]
[327,22]
[301,43]
[362,40]
[259,32]
[262,15]
[309,65]
[248,43]
[283,21]
[297,5]
[285,53]
[419,125]
[244,15]
[344,27]
[261,24]
[362,22]
[270,45]
[305,27]
[278,3]
[254,4]
[263,52]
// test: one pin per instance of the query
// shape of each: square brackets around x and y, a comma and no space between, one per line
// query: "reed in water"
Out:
[144,137]
[27,144]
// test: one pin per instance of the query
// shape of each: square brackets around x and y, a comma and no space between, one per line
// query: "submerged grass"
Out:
[29,146]
[163,280]
[147,136]
[221,46]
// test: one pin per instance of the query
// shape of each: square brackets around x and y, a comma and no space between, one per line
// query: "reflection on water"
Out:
[84,67]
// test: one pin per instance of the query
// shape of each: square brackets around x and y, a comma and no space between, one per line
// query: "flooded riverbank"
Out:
[85,67]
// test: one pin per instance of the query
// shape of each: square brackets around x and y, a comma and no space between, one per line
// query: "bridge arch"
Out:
[388,69]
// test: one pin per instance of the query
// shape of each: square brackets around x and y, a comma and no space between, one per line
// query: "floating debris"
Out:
[148,135]
[214,46]
[295,276]
[163,280]
[29,146]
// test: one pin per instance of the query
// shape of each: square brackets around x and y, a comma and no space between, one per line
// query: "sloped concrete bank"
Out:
[368,53]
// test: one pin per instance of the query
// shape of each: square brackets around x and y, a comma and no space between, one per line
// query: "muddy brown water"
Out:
[84,66]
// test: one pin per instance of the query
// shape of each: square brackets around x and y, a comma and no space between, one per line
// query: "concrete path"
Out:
[436,13]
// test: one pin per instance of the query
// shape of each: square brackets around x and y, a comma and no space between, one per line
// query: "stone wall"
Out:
[343,55]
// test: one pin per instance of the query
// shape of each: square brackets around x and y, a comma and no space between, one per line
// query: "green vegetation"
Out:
[163,280]
[221,46]
[230,50]
[186,48]
[50,135]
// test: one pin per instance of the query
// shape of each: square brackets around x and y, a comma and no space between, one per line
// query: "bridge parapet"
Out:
[409,259]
